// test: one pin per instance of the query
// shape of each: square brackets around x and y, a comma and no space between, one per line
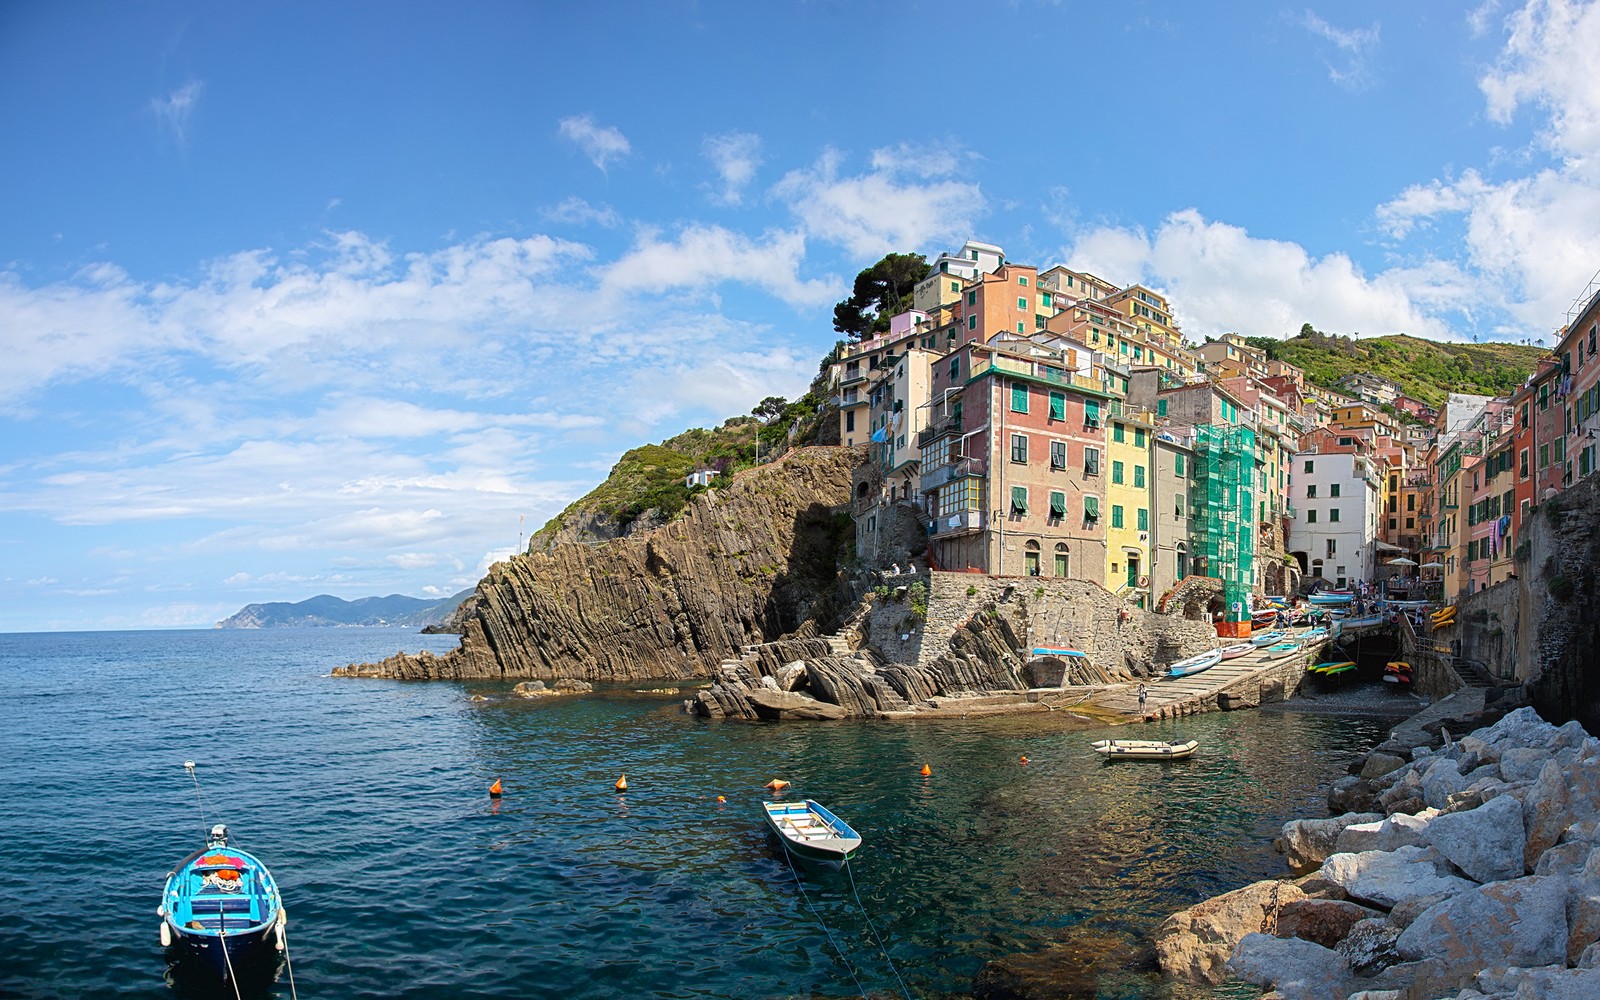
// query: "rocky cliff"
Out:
[744,564]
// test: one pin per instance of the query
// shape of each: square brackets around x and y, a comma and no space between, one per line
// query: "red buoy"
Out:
[495,790]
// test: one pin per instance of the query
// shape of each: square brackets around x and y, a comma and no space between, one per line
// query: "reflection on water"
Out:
[403,879]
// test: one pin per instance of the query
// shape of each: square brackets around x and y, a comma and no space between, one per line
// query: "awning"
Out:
[1386,547]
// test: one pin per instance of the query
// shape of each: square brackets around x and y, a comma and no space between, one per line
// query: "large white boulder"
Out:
[1308,842]
[1384,878]
[1295,969]
[1486,843]
[1399,830]
[1521,922]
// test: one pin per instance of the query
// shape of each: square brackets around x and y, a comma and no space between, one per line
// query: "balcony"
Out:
[960,522]
[934,478]
[943,427]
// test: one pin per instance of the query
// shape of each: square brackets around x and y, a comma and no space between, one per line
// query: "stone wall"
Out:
[1073,614]
[1489,625]
[1432,676]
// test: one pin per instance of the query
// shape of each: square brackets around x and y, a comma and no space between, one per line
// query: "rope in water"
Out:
[870,926]
[290,963]
[824,924]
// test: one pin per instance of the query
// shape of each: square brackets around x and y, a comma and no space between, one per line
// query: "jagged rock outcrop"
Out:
[741,565]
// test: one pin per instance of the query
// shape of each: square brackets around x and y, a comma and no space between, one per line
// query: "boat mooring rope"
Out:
[290,963]
[222,942]
[870,926]
[199,798]
[842,956]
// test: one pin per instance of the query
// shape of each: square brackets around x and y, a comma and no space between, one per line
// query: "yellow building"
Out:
[1130,442]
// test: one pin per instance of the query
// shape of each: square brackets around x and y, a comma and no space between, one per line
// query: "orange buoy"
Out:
[722,798]
[1024,758]
[622,783]
[777,784]
[926,770]
[495,790]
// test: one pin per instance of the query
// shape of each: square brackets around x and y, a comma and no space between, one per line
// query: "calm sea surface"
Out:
[368,801]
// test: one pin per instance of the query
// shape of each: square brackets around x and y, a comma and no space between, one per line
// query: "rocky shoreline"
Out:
[1451,867]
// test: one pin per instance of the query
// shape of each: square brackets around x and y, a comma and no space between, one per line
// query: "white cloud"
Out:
[703,257]
[600,143]
[874,213]
[736,157]
[577,211]
[174,111]
[1222,279]
[1530,241]
[1552,59]
[1355,48]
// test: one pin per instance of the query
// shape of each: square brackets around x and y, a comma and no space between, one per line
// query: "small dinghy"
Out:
[221,907]
[1315,635]
[809,831]
[1230,652]
[1195,664]
[1282,649]
[1144,749]
[1268,638]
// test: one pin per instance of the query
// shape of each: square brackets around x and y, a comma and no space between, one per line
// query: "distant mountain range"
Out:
[325,610]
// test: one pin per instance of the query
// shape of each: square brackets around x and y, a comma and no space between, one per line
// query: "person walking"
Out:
[1143,692]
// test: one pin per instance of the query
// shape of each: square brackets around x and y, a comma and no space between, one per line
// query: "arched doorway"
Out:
[1063,563]
[1030,558]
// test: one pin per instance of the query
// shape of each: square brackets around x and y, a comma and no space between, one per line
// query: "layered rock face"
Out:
[1488,886]
[741,565]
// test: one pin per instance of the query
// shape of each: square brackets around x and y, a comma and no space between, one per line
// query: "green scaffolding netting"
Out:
[1224,511]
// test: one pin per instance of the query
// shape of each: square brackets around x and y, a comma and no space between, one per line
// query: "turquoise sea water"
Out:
[368,799]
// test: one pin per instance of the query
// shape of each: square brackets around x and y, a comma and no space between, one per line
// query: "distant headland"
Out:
[327,611]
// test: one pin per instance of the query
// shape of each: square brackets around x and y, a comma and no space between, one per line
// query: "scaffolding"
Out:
[1223,503]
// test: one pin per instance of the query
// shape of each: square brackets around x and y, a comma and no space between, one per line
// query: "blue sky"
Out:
[346,298]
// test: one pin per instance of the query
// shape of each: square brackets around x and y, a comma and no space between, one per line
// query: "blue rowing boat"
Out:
[221,907]
[809,831]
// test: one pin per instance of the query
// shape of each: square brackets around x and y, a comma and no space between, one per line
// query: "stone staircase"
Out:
[1472,673]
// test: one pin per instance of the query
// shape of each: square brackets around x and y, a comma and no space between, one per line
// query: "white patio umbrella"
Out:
[1402,561]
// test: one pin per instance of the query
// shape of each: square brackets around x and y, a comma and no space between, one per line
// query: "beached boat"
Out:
[1144,749]
[1339,671]
[1327,597]
[809,831]
[220,906]
[1051,651]
[1282,649]
[1315,635]
[1362,622]
[1239,649]
[1268,638]
[1195,664]
[1264,618]
[1329,665]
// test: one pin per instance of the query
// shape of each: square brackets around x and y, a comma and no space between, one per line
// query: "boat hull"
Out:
[808,831]
[221,912]
[1195,664]
[1144,749]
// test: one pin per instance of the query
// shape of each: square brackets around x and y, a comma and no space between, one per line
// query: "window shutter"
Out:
[1019,499]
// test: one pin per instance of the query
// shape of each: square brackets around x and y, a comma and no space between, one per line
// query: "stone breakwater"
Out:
[1470,869]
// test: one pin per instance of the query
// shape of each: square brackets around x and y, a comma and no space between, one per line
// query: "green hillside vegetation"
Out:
[1427,370]
[651,477]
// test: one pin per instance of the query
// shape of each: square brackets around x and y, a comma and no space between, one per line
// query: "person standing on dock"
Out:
[1143,692]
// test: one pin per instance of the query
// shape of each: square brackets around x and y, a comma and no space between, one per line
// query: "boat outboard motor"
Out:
[219,836]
